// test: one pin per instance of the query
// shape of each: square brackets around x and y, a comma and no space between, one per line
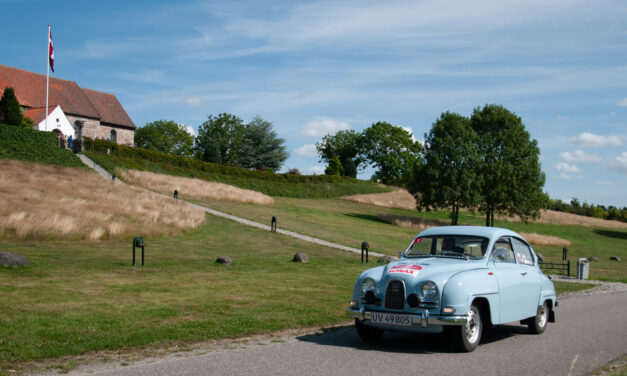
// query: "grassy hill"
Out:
[112,156]
[34,146]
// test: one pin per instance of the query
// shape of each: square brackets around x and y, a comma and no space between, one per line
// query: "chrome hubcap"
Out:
[542,317]
[473,326]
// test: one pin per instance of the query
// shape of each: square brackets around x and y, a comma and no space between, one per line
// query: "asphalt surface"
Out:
[591,330]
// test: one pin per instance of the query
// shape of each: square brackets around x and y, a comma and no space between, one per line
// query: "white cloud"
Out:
[565,167]
[604,182]
[193,101]
[563,177]
[189,129]
[411,132]
[321,127]
[619,163]
[579,156]
[589,140]
[622,102]
[562,117]
[318,170]
[308,150]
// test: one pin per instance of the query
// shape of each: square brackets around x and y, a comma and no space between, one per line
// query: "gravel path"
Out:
[90,163]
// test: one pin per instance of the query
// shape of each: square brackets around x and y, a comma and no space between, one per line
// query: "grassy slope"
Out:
[351,223]
[79,296]
[34,146]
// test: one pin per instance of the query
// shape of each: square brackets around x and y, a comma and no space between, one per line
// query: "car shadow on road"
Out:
[403,342]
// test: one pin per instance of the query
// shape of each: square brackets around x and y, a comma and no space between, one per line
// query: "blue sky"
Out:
[316,67]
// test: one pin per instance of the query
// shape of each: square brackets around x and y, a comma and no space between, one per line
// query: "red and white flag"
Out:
[50,50]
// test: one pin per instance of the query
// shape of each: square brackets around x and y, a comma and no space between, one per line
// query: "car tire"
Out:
[466,338]
[537,325]
[368,333]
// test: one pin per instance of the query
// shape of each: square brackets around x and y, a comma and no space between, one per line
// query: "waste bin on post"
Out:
[583,268]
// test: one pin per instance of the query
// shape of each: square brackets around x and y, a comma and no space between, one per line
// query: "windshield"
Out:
[463,246]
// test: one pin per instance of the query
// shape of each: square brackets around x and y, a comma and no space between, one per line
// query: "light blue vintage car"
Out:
[455,279]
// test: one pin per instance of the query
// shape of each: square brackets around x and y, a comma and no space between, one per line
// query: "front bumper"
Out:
[423,319]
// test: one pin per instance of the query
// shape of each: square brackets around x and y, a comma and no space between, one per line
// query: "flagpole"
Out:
[47,77]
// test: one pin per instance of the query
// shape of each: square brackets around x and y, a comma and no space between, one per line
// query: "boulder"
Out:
[300,257]
[224,260]
[386,259]
[593,258]
[614,258]
[540,257]
[9,259]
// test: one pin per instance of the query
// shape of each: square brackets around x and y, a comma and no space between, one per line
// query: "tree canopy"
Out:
[219,139]
[447,177]
[344,145]
[10,110]
[260,146]
[511,176]
[165,136]
[392,151]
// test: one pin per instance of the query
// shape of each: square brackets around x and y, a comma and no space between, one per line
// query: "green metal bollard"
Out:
[138,241]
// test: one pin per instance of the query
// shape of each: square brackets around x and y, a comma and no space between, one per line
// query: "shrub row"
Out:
[111,156]
[31,145]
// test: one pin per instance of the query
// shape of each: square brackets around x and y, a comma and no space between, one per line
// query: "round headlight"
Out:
[429,290]
[367,284]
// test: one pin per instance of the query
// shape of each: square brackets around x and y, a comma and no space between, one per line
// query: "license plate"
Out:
[391,319]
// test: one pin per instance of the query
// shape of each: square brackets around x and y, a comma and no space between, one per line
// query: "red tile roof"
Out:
[30,90]
[110,110]
[37,114]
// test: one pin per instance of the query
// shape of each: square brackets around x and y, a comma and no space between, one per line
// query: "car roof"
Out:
[486,232]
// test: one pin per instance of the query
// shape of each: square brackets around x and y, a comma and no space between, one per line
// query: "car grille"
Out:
[395,295]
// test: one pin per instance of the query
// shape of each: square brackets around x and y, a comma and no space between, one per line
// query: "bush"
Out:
[31,145]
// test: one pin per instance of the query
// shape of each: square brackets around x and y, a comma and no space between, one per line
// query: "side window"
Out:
[523,253]
[503,251]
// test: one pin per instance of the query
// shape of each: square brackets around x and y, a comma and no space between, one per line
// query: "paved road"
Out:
[591,331]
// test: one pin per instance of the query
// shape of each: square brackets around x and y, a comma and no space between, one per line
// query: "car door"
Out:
[503,266]
[530,285]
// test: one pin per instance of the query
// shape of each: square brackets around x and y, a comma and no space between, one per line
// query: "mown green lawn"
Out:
[350,223]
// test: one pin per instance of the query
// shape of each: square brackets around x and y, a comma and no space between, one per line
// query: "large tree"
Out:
[512,179]
[165,136]
[447,177]
[343,145]
[392,151]
[260,146]
[220,138]
[10,110]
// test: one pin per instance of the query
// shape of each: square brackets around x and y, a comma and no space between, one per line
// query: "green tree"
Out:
[165,136]
[447,177]
[222,133]
[346,147]
[10,110]
[512,179]
[334,167]
[392,151]
[260,146]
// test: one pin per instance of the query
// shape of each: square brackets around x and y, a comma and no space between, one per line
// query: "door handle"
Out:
[523,273]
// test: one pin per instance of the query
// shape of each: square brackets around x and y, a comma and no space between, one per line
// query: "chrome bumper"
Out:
[423,319]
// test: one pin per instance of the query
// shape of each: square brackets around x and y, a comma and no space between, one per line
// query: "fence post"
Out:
[273,224]
[568,267]
[564,251]
[176,194]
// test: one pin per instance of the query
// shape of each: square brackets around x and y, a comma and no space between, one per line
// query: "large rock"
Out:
[225,260]
[300,257]
[614,258]
[9,259]
[387,259]
[593,258]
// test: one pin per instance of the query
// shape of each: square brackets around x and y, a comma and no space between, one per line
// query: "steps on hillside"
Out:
[96,167]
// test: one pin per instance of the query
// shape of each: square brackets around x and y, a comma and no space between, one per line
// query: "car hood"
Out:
[437,269]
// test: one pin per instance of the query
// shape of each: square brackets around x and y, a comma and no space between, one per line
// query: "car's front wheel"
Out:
[368,333]
[537,325]
[467,337]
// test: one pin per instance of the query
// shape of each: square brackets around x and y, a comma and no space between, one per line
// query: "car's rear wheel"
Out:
[467,337]
[368,333]
[537,325]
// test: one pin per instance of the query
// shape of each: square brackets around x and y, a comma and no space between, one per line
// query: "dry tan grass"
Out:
[404,200]
[51,202]
[537,239]
[410,222]
[400,199]
[194,188]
